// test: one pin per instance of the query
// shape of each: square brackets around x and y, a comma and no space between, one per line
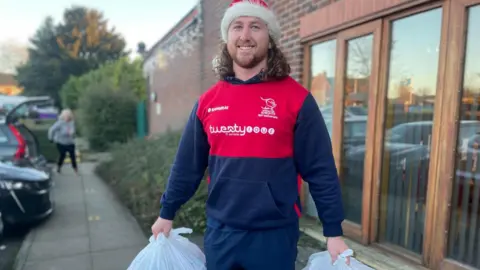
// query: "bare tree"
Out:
[360,58]
[12,54]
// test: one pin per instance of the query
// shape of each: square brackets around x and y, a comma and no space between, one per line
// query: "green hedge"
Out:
[40,131]
[107,115]
[47,148]
[138,173]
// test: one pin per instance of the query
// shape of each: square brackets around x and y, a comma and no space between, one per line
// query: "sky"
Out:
[139,20]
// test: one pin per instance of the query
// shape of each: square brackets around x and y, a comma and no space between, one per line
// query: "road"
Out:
[9,247]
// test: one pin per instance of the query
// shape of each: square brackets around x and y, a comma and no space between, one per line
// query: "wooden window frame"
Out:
[444,136]
[380,130]
[358,232]
[442,192]
[306,76]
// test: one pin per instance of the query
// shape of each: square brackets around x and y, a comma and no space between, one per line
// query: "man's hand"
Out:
[336,246]
[162,226]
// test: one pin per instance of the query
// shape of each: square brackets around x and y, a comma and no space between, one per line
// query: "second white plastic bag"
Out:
[173,253]
[322,260]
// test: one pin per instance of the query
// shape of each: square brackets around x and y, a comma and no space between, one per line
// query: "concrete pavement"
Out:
[89,229]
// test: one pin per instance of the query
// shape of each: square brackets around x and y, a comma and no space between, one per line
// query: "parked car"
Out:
[1,226]
[350,111]
[25,194]
[25,178]
[17,143]
[43,112]
[354,131]
[420,132]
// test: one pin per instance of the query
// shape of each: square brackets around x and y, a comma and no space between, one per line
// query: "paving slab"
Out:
[88,230]
[77,262]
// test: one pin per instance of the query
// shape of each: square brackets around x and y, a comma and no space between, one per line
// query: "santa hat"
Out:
[251,8]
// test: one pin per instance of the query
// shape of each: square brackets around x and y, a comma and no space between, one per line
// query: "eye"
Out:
[255,27]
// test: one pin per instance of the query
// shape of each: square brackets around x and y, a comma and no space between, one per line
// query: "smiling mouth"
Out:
[245,47]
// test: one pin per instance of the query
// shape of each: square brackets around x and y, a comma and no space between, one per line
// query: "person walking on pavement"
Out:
[260,133]
[62,133]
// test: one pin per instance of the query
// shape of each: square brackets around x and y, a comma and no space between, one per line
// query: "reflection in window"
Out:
[321,85]
[357,86]
[464,232]
[412,85]
[322,76]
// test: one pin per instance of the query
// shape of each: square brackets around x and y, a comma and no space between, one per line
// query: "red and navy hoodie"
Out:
[259,139]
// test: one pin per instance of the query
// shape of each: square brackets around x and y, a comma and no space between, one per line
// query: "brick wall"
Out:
[184,79]
[288,14]
[212,15]
[177,88]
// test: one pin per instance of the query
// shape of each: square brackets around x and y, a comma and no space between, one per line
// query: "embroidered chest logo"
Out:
[268,110]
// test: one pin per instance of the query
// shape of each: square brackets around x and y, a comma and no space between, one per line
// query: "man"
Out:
[259,132]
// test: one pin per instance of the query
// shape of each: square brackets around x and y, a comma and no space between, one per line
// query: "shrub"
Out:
[121,72]
[40,131]
[107,115]
[46,148]
[138,172]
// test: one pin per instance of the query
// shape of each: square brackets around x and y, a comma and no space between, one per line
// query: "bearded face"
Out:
[248,41]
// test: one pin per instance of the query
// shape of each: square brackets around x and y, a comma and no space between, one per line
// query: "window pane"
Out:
[411,91]
[322,78]
[357,86]
[464,233]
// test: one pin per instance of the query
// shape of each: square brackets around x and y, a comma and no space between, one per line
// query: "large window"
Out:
[411,91]
[356,95]
[401,98]
[321,85]
[464,233]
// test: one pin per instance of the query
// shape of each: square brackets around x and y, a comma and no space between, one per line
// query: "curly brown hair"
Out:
[277,64]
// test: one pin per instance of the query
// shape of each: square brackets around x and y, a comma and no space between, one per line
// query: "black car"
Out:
[25,194]
[25,178]
[1,226]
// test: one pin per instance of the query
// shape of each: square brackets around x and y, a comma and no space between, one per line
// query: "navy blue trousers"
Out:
[230,249]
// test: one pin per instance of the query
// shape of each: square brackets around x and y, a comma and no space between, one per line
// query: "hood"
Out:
[11,172]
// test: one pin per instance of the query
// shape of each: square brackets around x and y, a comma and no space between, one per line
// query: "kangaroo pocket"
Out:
[242,201]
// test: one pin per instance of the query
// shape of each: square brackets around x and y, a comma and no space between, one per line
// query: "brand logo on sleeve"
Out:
[218,108]
[236,130]
[268,110]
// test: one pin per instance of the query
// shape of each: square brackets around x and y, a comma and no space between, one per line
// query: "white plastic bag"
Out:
[323,260]
[173,253]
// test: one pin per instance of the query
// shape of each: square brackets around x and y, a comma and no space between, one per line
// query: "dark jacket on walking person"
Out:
[62,133]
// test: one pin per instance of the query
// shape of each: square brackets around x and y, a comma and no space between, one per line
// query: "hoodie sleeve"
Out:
[52,130]
[315,163]
[188,168]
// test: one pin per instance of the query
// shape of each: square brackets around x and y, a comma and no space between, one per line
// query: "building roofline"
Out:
[185,20]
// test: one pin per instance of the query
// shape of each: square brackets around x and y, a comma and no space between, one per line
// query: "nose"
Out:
[246,34]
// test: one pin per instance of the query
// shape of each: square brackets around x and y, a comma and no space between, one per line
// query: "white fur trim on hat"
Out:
[250,9]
